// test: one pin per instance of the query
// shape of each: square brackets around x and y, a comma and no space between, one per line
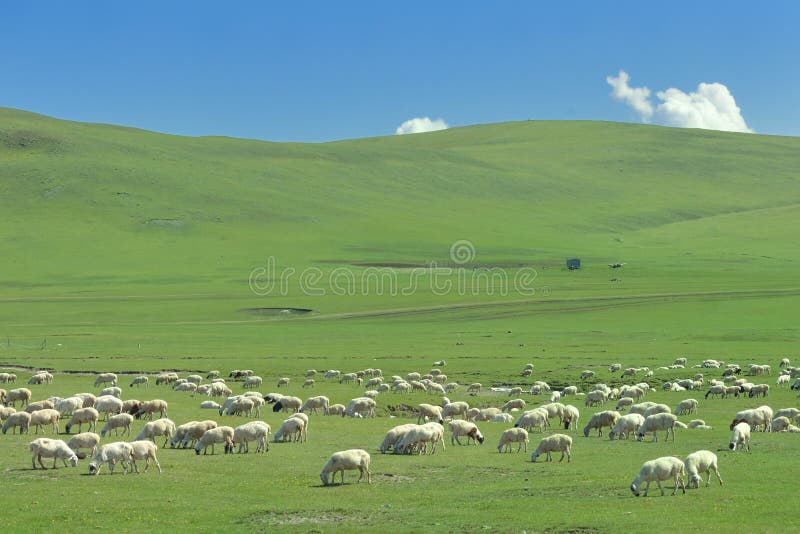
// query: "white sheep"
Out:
[418,437]
[755,417]
[115,422]
[686,407]
[554,443]
[515,404]
[69,405]
[144,450]
[698,424]
[660,421]
[459,427]
[779,424]
[360,407]
[626,425]
[665,468]
[287,403]
[220,434]
[513,435]
[152,406]
[111,453]
[429,411]
[791,413]
[284,381]
[601,419]
[571,417]
[532,418]
[139,380]
[502,418]
[596,397]
[84,440]
[40,405]
[160,427]
[253,382]
[19,394]
[336,409]
[740,436]
[108,405]
[657,409]
[624,403]
[346,460]
[701,462]
[291,429]
[394,435]
[47,416]
[105,378]
[257,431]
[313,404]
[88,399]
[187,434]
[51,448]
[17,419]
[453,409]
[209,405]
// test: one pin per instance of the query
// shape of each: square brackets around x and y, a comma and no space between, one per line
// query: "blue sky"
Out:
[318,71]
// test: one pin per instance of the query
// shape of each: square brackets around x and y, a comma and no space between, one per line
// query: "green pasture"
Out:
[129,251]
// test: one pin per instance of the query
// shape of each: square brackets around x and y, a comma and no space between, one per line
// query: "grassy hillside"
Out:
[142,238]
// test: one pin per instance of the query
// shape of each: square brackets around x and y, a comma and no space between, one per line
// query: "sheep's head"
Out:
[93,468]
[640,436]
[534,456]
[73,460]
[694,481]
[732,445]
[611,434]
[635,489]
[324,477]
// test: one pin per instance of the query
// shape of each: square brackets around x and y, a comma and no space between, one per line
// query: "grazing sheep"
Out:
[257,431]
[194,379]
[139,380]
[254,382]
[417,438]
[474,387]
[515,404]
[686,407]
[283,381]
[429,411]
[51,448]
[308,383]
[554,443]
[660,421]
[569,390]
[360,407]
[88,399]
[105,378]
[115,422]
[210,405]
[20,394]
[614,367]
[144,450]
[5,378]
[39,405]
[81,416]
[69,405]
[755,417]
[623,403]
[212,375]
[220,434]
[586,375]
[336,409]
[346,460]
[740,436]
[571,417]
[187,434]
[779,424]
[665,468]
[459,427]
[532,418]
[791,413]
[288,403]
[601,419]
[152,406]
[5,411]
[485,414]
[17,419]
[242,406]
[42,377]
[111,453]
[310,373]
[626,425]
[45,417]
[316,403]
[185,386]
[656,409]
[513,435]
[84,440]
[698,424]
[759,389]
[108,405]
[458,408]
[394,435]
[596,397]
[292,429]
[332,374]
[502,418]
[160,427]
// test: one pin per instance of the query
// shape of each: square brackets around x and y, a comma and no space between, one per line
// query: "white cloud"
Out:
[711,107]
[635,97]
[421,124]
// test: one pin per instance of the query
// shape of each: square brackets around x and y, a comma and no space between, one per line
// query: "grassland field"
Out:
[134,252]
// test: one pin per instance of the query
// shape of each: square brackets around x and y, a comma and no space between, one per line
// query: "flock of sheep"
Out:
[642,417]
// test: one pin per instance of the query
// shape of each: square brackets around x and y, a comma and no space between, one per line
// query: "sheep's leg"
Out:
[647,487]
[716,471]
[660,487]
[562,456]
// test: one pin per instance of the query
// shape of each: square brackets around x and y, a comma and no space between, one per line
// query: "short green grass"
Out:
[128,251]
